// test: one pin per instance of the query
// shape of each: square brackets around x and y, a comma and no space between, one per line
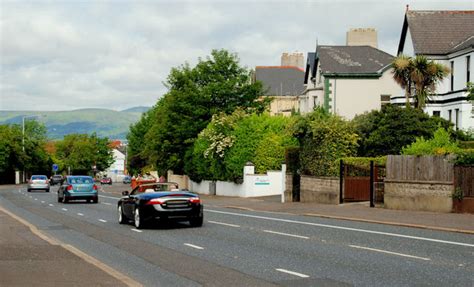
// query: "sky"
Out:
[66,55]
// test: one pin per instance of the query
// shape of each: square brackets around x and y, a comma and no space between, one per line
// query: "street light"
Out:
[23,136]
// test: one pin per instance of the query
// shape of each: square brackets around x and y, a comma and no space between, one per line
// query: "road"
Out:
[248,248]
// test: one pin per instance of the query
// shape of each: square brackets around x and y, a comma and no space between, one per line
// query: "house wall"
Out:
[284,105]
[117,168]
[408,48]
[350,97]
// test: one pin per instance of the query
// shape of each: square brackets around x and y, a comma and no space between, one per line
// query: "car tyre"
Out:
[47,190]
[196,221]
[121,215]
[95,200]
[29,190]
[139,222]
[60,199]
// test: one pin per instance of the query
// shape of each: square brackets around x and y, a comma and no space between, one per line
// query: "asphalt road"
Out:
[243,248]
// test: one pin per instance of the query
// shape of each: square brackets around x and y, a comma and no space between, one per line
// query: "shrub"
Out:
[440,144]
[465,157]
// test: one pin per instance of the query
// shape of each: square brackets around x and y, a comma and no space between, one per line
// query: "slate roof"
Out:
[437,32]
[352,59]
[280,80]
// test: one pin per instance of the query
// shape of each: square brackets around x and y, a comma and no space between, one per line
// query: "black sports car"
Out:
[162,201]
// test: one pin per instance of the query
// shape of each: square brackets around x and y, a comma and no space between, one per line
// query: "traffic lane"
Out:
[173,236]
[165,259]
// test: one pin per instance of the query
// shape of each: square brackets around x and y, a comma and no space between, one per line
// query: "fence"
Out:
[420,168]
[464,179]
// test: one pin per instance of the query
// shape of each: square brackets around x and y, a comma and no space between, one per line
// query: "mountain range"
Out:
[106,123]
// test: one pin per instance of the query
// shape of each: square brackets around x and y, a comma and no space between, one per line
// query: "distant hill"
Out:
[109,123]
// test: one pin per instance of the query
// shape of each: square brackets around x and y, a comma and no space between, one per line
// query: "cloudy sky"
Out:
[64,55]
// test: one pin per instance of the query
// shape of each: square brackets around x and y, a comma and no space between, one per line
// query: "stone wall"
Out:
[319,189]
[425,196]
[289,187]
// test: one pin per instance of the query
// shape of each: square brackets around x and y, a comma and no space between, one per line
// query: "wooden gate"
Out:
[356,183]
[464,179]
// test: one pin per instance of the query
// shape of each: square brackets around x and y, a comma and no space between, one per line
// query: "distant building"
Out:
[446,37]
[293,59]
[347,80]
[283,84]
[116,171]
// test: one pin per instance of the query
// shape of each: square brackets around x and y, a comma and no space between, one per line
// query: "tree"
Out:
[216,84]
[418,73]
[387,131]
[136,160]
[80,152]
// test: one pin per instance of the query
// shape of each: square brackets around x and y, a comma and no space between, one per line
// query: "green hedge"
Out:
[466,144]
[364,161]
[465,157]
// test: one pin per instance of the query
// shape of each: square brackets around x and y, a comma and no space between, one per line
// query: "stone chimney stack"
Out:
[295,59]
[362,37]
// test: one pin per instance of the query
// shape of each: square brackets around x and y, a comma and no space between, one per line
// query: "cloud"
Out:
[69,55]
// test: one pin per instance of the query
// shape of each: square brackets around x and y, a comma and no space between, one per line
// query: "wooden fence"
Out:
[464,179]
[433,169]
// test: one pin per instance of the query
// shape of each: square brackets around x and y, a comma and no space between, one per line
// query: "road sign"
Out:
[55,167]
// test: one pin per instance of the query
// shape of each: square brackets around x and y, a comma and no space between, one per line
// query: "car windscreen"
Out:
[40,177]
[80,180]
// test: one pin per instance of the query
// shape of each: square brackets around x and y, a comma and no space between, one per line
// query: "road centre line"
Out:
[390,252]
[286,234]
[42,201]
[106,203]
[64,209]
[136,230]
[102,220]
[222,223]
[117,198]
[292,273]
[36,199]
[194,246]
[51,204]
[343,228]
[80,214]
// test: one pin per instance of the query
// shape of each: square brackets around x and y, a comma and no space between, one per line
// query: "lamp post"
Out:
[23,137]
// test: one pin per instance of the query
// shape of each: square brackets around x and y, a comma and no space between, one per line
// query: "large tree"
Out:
[216,84]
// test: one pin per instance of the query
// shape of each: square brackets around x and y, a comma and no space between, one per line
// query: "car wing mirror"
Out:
[125,193]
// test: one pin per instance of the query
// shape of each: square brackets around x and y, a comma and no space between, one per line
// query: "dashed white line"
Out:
[42,201]
[102,220]
[64,209]
[80,214]
[286,234]
[343,228]
[106,203]
[50,204]
[194,246]
[222,223]
[117,198]
[136,230]
[390,252]
[36,199]
[292,273]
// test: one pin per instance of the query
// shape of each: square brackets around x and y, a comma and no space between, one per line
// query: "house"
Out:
[283,84]
[348,80]
[446,37]
[116,171]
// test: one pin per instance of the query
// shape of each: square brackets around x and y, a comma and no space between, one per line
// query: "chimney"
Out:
[362,37]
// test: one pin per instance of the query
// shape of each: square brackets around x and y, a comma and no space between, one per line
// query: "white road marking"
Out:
[292,273]
[389,252]
[117,198]
[42,201]
[101,220]
[80,214]
[287,234]
[106,203]
[64,209]
[222,223]
[344,228]
[136,230]
[50,204]
[194,246]
[36,199]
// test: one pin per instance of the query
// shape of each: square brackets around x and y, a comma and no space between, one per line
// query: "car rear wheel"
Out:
[47,190]
[139,222]
[121,216]
[197,221]
[60,199]
[95,200]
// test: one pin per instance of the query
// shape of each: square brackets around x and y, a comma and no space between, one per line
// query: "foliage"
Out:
[230,141]
[80,152]
[465,157]
[458,194]
[440,144]
[470,91]
[421,74]
[324,139]
[387,131]
[136,160]
[216,84]
[466,144]
[365,161]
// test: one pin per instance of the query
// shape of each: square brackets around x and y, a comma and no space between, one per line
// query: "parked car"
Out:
[56,179]
[106,180]
[38,182]
[159,201]
[78,188]
[127,179]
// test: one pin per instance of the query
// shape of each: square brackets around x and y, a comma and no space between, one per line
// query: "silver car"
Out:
[38,182]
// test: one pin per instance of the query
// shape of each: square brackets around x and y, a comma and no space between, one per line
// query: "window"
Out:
[450,118]
[452,75]
[436,113]
[468,69]
[384,99]
[456,123]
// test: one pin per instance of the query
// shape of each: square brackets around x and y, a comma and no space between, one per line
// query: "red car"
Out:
[106,180]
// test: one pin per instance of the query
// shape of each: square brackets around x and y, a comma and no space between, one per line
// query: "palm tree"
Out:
[401,70]
[425,75]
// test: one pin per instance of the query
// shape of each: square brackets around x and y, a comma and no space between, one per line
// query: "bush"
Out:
[440,144]
[465,157]
[364,161]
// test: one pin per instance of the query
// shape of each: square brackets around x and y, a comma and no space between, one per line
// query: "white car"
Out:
[38,182]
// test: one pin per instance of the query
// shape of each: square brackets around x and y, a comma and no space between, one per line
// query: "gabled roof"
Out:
[437,32]
[311,63]
[280,80]
[468,43]
[352,60]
